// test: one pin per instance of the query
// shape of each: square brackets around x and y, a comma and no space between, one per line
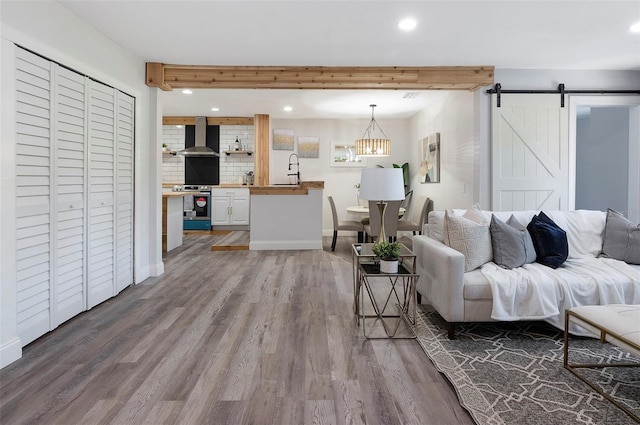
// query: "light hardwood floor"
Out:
[238,337]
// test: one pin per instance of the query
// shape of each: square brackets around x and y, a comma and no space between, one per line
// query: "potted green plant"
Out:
[388,253]
[164,147]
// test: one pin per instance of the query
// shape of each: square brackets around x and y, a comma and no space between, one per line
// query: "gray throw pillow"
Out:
[528,242]
[507,243]
[621,238]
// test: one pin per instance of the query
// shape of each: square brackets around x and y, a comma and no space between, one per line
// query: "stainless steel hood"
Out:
[201,148]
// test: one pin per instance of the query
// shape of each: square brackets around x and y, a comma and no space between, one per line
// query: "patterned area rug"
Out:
[512,373]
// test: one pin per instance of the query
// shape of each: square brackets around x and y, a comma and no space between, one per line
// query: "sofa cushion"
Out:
[468,237]
[511,243]
[530,251]
[585,230]
[476,286]
[549,241]
[621,238]
[435,224]
[507,244]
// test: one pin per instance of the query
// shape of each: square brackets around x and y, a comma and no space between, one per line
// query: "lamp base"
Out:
[381,234]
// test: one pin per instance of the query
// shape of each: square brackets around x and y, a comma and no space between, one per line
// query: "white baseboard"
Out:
[284,245]
[156,269]
[10,352]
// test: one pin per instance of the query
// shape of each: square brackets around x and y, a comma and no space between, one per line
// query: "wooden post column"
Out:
[261,130]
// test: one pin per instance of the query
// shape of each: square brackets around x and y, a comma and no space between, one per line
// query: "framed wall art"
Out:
[282,139]
[430,159]
[308,147]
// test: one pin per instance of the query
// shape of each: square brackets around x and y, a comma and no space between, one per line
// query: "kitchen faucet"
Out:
[297,164]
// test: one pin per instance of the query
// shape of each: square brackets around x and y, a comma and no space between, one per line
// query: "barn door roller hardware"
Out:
[497,90]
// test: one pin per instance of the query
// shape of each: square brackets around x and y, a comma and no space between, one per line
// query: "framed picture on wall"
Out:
[430,159]
[283,139]
[308,147]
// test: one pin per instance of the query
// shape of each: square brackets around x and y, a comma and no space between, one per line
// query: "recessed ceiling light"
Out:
[187,91]
[287,109]
[407,24]
[635,27]
[215,109]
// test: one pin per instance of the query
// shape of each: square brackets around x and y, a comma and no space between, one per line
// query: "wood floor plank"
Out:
[233,337]
[320,412]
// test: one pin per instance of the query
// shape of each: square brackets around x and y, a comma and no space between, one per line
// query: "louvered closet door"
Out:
[33,173]
[102,214]
[69,194]
[124,221]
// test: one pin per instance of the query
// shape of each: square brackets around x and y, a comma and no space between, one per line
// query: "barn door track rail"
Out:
[497,90]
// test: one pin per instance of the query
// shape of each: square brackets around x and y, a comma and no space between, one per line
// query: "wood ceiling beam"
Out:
[210,120]
[169,77]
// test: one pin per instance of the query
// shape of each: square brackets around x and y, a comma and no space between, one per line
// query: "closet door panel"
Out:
[70,141]
[101,231]
[124,178]
[33,174]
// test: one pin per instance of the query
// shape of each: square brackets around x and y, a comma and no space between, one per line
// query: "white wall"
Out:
[453,116]
[339,182]
[50,30]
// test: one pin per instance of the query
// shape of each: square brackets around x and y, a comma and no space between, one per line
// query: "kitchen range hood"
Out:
[200,148]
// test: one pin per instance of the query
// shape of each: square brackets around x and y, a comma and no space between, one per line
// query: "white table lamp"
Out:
[382,184]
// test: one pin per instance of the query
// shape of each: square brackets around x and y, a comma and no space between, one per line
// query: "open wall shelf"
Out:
[247,153]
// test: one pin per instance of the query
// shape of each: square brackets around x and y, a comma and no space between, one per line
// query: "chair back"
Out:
[333,212]
[391,214]
[426,209]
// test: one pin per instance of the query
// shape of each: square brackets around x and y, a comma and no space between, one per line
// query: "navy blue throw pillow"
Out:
[549,241]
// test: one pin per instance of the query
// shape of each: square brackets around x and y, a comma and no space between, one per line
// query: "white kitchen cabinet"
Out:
[74,193]
[229,207]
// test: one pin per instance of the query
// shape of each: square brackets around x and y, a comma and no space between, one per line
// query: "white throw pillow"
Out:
[469,235]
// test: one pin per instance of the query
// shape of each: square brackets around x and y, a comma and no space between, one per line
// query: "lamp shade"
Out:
[382,184]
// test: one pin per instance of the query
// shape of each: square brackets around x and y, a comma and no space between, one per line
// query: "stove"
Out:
[196,188]
[197,207]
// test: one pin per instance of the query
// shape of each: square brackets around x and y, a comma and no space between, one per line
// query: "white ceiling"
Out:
[542,34]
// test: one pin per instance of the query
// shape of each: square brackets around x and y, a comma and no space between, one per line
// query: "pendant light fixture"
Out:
[370,145]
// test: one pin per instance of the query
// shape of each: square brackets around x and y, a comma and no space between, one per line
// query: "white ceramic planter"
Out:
[388,266]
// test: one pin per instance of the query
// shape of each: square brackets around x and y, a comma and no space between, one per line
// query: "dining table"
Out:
[363,211]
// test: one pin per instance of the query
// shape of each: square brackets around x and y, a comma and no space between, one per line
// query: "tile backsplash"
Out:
[232,167]
[173,166]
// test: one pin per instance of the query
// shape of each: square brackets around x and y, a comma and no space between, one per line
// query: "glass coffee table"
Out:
[392,296]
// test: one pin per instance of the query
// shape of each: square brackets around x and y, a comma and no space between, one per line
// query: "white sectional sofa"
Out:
[529,292]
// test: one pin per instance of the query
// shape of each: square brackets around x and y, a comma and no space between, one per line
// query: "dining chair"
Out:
[343,225]
[406,225]
[390,220]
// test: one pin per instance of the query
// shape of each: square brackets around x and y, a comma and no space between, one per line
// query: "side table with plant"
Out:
[388,253]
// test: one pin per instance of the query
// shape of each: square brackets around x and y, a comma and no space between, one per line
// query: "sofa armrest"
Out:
[441,280]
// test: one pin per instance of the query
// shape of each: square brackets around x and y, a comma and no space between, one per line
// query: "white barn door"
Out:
[530,153]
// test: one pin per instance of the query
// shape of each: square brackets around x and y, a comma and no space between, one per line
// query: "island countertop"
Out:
[272,189]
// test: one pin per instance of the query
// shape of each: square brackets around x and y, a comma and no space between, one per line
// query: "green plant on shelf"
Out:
[387,251]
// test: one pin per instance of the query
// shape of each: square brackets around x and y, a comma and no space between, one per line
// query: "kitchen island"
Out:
[286,217]
[172,219]
[281,217]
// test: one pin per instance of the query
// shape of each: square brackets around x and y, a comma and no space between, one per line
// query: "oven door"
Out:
[197,211]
